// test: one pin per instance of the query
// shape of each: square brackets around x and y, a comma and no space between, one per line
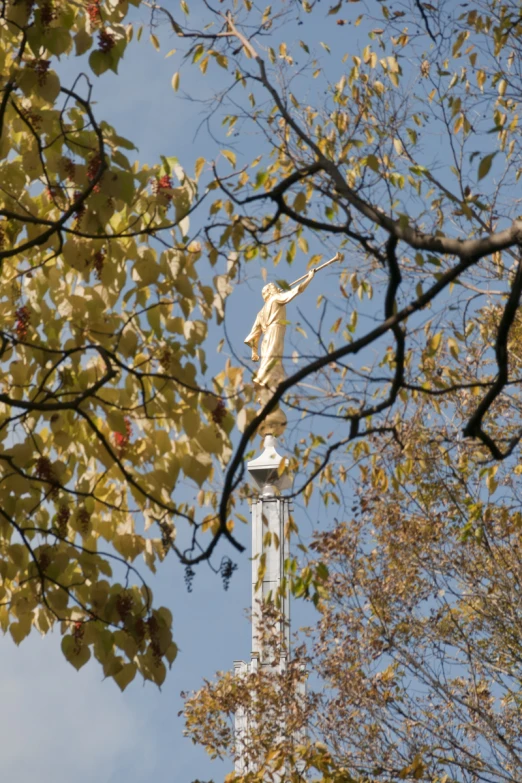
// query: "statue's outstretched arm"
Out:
[286,296]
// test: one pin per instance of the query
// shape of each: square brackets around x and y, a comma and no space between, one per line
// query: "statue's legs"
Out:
[276,421]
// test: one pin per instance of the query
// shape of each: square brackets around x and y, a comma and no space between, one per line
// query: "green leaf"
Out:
[485,165]
[372,163]
[19,630]
[300,201]
[82,42]
[99,62]
[50,89]
[125,675]
[75,652]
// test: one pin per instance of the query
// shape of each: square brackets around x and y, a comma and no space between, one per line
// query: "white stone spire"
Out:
[270,548]
[269,540]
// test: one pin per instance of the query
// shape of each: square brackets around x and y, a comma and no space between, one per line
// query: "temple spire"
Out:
[270,548]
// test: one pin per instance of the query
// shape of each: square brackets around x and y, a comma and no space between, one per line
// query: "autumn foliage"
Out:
[103,402]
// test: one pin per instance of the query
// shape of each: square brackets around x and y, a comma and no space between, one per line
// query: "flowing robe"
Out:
[271,323]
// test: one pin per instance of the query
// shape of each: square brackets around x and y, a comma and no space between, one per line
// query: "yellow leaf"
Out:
[230,156]
[434,342]
[200,165]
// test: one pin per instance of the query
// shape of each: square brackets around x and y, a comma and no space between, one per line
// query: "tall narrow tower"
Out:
[270,513]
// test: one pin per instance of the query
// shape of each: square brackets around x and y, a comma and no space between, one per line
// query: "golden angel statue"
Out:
[271,323]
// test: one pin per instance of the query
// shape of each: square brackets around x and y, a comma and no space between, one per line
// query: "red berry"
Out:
[162,185]
[122,440]
[93,167]
[93,11]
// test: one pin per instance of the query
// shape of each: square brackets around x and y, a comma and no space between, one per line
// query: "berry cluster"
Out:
[166,536]
[80,209]
[44,561]
[44,471]
[23,318]
[33,119]
[84,520]
[52,192]
[93,168]
[62,519]
[219,412]
[140,629]
[98,262]
[165,358]
[47,14]
[226,569]
[124,604]
[93,12]
[78,632]
[154,639]
[161,186]
[40,67]
[122,440]
[189,578]
[69,168]
[106,41]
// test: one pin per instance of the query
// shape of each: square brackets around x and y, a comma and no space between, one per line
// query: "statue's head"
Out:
[270,290]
